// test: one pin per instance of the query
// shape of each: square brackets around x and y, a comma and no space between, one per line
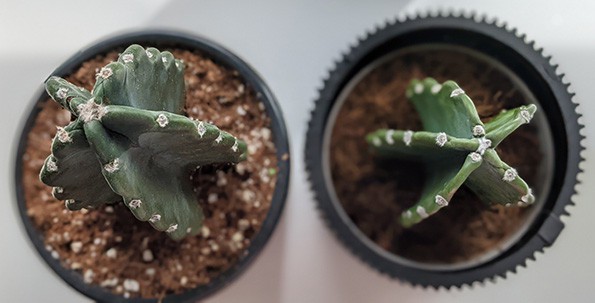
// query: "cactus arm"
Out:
[496,182]
[65,92]
[507,122]
[444,107]
[74,172]
[145,79]
[176,139]
[420,145]
[444,179]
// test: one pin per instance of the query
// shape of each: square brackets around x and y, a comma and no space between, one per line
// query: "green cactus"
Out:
[131,143]
[456,148]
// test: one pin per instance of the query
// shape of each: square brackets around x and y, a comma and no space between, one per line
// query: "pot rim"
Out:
[221,56]
[471,32]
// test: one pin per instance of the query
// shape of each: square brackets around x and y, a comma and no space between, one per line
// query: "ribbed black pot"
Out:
[220,55]
[500,45]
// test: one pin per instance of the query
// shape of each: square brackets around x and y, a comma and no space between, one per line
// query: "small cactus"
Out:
[456,148]
[131,143]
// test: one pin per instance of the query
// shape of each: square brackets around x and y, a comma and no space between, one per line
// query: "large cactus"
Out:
[131,143]
[456,147]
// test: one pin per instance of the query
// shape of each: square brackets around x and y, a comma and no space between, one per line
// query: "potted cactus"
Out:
[132,123]
[457,148]
[434,183]
[165,173]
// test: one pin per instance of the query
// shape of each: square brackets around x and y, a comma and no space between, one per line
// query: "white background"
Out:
[292,44]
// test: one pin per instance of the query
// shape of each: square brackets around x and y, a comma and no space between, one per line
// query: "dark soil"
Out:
[109,247]
[374,192]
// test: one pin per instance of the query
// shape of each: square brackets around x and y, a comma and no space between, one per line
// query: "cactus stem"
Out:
[51,165]
[104,73]
[63,135]
[162,120]
[172,228]
[407,136]
[154,218]
[457,92]
[135,203]
[441,201]
[201,129]
[509,175]
[389,137]
[478,130]
[441,139]
[484,144]
[62,92]
[475,157]
[127,58]
[112,166]
[465,137]
[138,97]
[90,110]
[421,211]
[418,88]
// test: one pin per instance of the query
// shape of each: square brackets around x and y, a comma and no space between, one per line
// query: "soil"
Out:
[374,191]
[111,248]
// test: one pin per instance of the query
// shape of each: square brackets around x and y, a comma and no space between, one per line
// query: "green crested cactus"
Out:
[131,143]
[456,148]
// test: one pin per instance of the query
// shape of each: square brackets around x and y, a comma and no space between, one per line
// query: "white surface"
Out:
[292,44]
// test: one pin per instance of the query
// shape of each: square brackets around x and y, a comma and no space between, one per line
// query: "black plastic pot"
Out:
[499,45]
[220,55]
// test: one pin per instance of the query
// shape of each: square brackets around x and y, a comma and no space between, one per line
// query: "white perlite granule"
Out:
[147,255]
[205,232]
[111,253]
[131,285]
[76,246]
[88,276]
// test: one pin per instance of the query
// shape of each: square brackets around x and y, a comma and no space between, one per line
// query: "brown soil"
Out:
[374,192]
[109,247]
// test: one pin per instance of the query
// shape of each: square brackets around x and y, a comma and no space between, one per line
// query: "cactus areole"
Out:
[457,148]
[131,143]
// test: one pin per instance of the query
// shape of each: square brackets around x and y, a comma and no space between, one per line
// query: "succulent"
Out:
[130,142]
[456,148]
